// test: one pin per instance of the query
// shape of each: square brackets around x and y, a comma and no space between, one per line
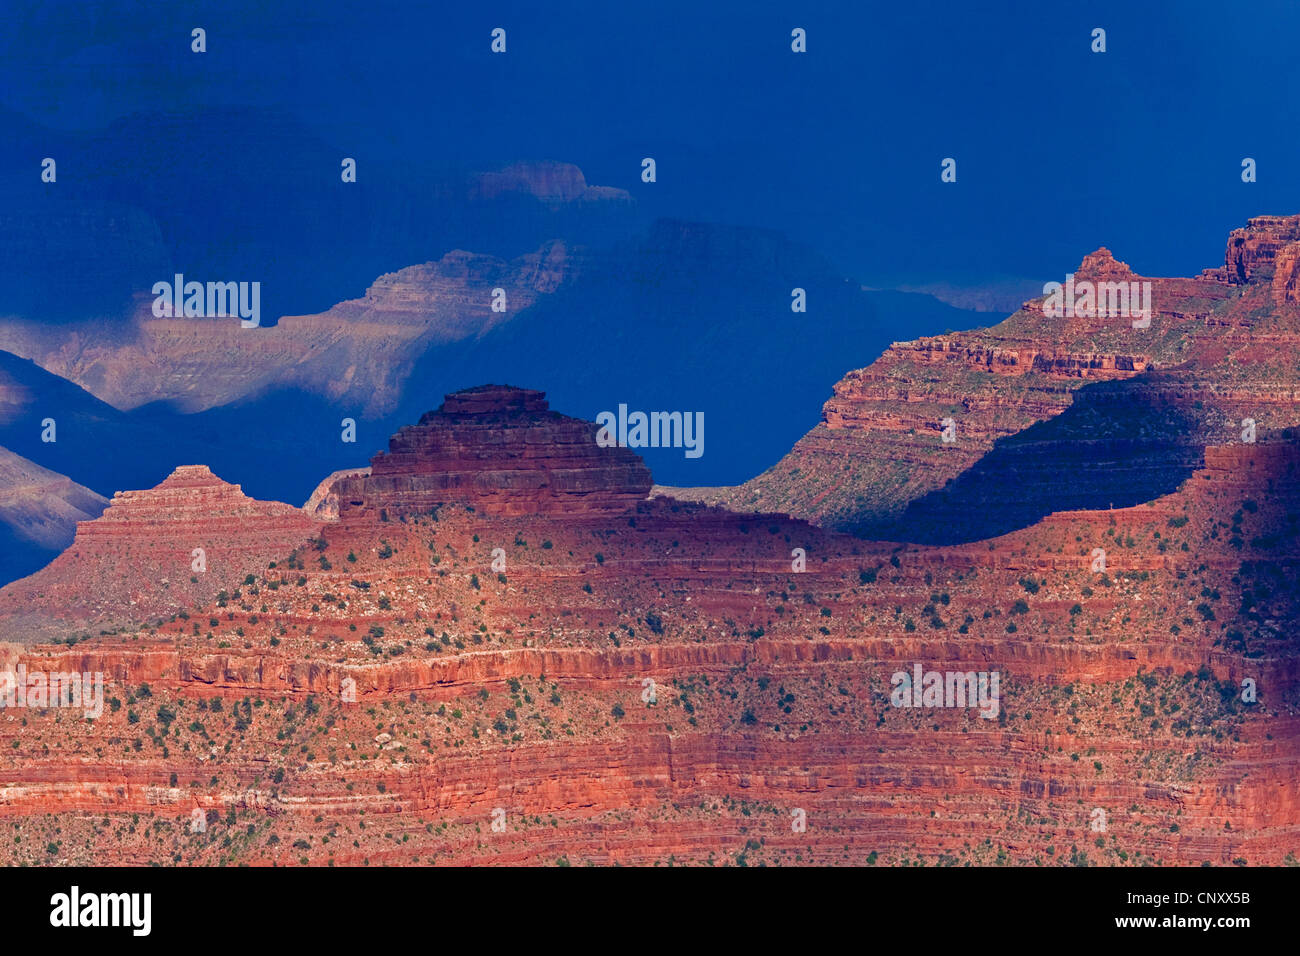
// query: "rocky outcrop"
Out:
[500,653]
[152,553]
[881,445]
[1286,274]
[1252,252]
[502,450]
[324,501]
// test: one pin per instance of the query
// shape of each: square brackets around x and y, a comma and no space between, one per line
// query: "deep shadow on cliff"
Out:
[1119,444]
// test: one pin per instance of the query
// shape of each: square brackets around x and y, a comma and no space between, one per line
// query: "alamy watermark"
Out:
[215,299]
[23,688]
[655,430]
[75,908]
[1089,300]
[924,688]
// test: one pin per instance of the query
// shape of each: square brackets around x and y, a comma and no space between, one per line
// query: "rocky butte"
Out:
[504,451]
[153,553]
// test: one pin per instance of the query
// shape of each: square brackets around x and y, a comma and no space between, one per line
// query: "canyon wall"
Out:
[672,682]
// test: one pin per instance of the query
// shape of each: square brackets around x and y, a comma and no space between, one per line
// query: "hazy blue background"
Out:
[821,168]
[1059,150]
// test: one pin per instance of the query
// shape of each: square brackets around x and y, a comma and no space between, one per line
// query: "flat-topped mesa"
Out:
[503,451]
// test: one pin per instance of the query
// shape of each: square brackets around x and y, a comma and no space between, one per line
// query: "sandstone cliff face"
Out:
[1212,357]
[502,450]
[1252,252]
[138,561]
[673,682]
